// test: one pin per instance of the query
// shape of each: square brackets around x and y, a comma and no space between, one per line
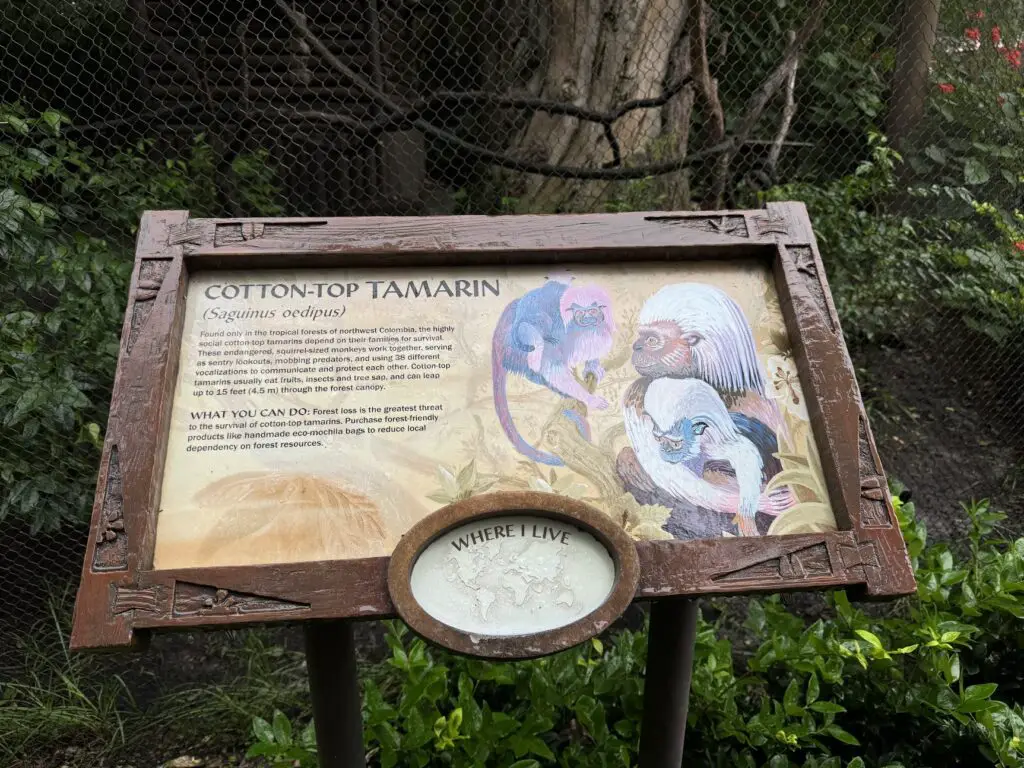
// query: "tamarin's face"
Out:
[662,348]
[682,441]
[588,316]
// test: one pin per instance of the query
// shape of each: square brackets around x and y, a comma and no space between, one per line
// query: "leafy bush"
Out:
[925,681]
[67,217]
[893,271]
[973,133]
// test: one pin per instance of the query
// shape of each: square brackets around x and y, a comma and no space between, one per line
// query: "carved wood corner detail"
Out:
[733,226]
[139,599]
[770,223]
[111,553]
[858,557]
[186,233]
[202,600]
[240,232]
[804,261]
[874,500]
[151,277]
[806,563]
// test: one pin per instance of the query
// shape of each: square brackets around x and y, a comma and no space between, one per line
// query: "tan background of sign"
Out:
[356,495]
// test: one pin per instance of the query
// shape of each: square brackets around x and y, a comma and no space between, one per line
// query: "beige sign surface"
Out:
[318,414]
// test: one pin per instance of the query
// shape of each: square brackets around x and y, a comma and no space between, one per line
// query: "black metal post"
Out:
[334,686]
[670,644]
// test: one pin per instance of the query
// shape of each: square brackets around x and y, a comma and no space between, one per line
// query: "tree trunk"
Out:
[599,54]
[910,78]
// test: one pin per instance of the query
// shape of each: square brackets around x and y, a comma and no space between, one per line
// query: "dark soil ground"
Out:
[947,431]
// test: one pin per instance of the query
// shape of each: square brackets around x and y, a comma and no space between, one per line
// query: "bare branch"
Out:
[759,99]
[707,88]
[788,111]
[500,159]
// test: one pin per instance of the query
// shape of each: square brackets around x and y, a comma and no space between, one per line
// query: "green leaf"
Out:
[307,738]
[262,749]
[531,763]
[282,729]
[870,637]
[844,736]
[262,730]
[791,699]
[935,154]
[826,707]
[812,689]
[975,171]
[52,119]
[19,125]
[981,691]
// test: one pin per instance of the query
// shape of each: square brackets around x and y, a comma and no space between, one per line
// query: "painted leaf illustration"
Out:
[801,477]
[466,479]
[806,517]
[289,513]
[792,458]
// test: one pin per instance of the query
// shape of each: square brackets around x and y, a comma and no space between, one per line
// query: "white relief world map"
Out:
[512,576]
[516,574]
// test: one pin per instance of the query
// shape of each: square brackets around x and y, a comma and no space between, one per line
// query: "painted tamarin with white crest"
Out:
[695,330]
[692,427]
[543,336]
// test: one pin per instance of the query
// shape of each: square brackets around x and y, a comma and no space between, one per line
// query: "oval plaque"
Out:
[513,575]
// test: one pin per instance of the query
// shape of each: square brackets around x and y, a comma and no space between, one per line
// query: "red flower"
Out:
[976,15]
[972,33]
[997,36]
[1019,245]
[947,87]
[1013,57]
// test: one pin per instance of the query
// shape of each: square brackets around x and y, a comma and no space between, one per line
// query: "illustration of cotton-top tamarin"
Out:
[692,427]
[544,336]
[695,330]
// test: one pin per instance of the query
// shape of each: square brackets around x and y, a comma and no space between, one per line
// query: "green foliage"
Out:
[61,696]
[276,742]
[919,682]
[841,84]
[67,217]
[974,132]
[966,256]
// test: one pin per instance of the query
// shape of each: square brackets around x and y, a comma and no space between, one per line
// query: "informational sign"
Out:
[310,417]
[318,414]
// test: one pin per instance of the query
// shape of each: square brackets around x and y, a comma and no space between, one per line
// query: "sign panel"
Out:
[298,402]
[318,414]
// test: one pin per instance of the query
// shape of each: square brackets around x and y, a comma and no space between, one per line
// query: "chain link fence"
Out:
[399,107]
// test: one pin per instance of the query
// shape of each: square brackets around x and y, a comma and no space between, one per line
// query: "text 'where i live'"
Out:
[511,531]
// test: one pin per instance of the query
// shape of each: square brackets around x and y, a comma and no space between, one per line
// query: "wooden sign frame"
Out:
[120,593]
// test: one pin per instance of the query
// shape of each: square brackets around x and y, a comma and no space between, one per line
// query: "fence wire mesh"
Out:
[352,107]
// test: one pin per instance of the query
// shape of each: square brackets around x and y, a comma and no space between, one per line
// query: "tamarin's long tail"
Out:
[499,377]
